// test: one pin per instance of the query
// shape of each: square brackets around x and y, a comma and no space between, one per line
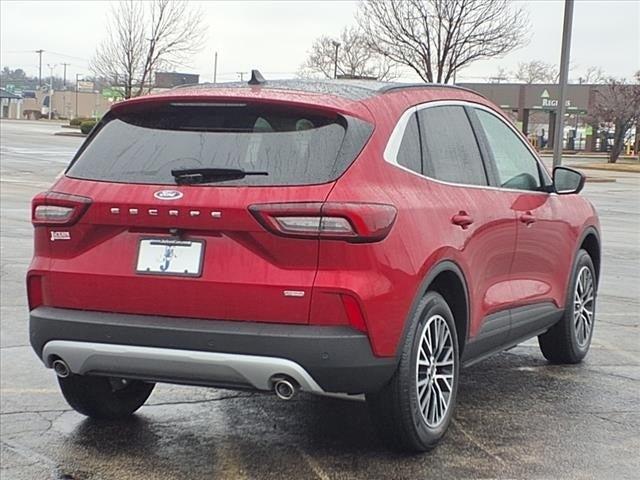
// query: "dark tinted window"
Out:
[516,165]
[295,148]
[409,155]
[449,146]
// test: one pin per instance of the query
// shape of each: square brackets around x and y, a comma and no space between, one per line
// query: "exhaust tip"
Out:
[61,368]
[285,389]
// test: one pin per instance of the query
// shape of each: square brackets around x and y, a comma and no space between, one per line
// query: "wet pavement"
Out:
[517,416]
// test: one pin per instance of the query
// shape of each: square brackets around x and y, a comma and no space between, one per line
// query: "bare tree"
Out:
[437,38]
[120,56]
[618,103]
[143,37]
[593,75]
[536,71]
[355,58]
[500,76]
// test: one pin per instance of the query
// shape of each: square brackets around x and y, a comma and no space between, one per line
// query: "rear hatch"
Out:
[159,220]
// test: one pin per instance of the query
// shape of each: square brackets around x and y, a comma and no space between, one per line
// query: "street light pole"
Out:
[51,67]
[64,75]
[335,64]
[564,73]
[215,68]
[77,77]
[39,52]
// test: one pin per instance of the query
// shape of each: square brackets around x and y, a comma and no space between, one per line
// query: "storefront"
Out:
[533,107]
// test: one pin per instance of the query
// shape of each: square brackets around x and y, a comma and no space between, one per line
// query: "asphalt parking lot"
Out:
[517,416]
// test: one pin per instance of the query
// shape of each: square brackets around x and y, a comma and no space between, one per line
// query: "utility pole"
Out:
[64,75]
[335,62]
[215,67]
[241,76]
[564,73]
[39,52]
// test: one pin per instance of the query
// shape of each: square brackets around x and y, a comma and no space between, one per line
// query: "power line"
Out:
[68,56]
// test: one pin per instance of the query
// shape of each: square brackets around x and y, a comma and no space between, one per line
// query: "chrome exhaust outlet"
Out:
[285,388]
[61,368]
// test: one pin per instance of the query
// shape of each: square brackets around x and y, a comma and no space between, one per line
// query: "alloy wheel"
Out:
[583,302]
[435,371]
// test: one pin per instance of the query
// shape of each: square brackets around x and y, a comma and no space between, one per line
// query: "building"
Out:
[9,103]
[66,104]
[174,79]
[533,107]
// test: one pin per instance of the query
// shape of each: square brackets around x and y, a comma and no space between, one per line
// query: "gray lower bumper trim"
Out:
[179,366]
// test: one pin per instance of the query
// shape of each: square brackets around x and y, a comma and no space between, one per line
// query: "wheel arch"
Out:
[590,242]
[447,279]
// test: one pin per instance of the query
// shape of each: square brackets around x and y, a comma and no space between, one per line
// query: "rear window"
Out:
[451,152]
[294,147]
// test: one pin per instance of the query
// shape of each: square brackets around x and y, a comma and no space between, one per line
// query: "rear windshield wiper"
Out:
[204,175]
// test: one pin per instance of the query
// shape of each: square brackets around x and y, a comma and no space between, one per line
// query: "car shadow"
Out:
[261,433]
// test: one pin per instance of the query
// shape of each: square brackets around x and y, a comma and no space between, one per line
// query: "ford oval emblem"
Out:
[168,195]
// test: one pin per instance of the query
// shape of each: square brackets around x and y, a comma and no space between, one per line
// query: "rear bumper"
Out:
[209,352]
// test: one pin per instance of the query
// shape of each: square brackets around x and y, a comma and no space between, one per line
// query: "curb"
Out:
[622,168]
[70,134]
[601,180]
[592,155]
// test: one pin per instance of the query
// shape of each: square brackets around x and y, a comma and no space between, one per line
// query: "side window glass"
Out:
[517,167]
[450,149]
[409,155]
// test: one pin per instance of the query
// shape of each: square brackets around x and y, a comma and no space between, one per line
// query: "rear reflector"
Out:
[352,222]
[354,313]
[52,208]
[34,291]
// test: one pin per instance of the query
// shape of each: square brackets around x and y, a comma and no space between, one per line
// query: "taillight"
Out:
[53,208]
[352,222]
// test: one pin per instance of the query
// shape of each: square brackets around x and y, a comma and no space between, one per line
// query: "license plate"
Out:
[170,257]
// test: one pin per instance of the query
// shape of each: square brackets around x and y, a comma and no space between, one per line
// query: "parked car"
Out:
[330,237]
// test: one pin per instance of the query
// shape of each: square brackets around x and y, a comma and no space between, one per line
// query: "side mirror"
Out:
[567,180]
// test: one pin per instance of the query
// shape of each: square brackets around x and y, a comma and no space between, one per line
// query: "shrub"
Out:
[87,126]
[75,122]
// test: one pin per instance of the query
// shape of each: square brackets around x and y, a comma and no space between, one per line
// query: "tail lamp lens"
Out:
[53,208]
[52,214]
[315,225]
[352,222]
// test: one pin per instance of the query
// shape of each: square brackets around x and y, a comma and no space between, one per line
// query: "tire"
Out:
[568,340]
[396,410]
[104,397]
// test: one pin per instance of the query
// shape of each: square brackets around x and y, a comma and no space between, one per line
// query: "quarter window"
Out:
[450,149]
[409,153]
[517,167]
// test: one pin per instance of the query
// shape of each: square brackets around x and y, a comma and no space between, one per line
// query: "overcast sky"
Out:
[274,36]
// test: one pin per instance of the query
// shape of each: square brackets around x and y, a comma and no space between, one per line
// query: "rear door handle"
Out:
[462,219]
[527,218]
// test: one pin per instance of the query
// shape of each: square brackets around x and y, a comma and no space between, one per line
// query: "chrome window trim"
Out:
[395,139]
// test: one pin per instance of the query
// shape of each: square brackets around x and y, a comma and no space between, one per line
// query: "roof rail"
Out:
[187,85]
[401,86]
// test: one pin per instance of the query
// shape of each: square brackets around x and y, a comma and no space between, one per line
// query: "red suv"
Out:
[332,237]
